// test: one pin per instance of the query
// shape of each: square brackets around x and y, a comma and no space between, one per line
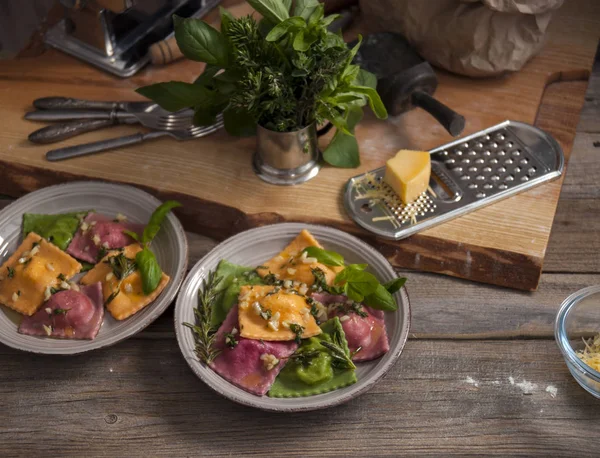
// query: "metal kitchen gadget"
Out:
[115,35]
[466,174]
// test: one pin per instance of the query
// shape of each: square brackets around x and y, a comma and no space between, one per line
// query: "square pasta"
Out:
[131,298]
[292,264]
[34,267]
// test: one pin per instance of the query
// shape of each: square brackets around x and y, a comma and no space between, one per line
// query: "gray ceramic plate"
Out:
[170,247]
[253,247]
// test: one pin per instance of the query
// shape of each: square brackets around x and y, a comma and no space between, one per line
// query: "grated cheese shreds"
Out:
[590,355]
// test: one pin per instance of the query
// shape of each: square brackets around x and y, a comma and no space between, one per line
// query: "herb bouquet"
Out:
[283,73]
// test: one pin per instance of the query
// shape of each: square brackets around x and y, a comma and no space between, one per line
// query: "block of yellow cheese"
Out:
[408,173]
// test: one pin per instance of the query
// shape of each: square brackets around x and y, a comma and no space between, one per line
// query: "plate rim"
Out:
[177,278]
[197,366]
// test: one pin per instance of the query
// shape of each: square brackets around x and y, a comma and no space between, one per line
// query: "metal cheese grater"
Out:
[466,174]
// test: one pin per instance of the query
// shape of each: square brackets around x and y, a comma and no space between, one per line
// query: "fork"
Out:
[153,117]
[105,145]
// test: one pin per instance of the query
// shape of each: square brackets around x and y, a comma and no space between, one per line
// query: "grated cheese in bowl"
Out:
[590,355]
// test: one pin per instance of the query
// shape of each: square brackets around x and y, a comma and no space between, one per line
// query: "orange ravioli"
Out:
[32,268]
[291,265]
[131,298]
[279,309]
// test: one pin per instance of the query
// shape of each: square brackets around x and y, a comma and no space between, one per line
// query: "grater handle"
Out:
[447,117]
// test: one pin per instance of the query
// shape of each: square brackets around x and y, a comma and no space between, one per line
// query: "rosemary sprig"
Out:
[341,359]
[122,267]
[304,358]
[204,333]
[298,330]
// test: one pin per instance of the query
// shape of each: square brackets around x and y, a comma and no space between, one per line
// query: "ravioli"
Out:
[251,365]
[33,268]
[58,229]
[291,264]
[316,372]
[365,332]
[99,232]
[272,313]
[131,298]
[68,314]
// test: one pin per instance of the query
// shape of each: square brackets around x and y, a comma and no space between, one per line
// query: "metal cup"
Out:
[286,158]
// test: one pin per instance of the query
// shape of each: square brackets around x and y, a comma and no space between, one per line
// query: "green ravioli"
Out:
[233,277]
[315,368]
[58,229]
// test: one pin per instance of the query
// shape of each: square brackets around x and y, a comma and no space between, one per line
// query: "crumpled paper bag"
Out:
[471,37]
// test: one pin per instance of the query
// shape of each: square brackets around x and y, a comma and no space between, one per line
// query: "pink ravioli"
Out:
[79,316]
[242,365]
[109,232]
[367,333]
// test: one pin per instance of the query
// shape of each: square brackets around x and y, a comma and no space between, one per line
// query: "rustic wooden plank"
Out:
[196,172]
[139,398]
[589,113]
[583,171]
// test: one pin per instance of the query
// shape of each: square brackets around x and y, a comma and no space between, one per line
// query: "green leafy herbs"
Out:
[284,73]
[356,283]
[230,340]
[59,311]
[11,272]
[298,330]
[145,260]
[204,331]
[121,267]
[329,258]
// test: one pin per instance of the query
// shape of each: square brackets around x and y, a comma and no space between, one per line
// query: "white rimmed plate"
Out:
[253,247]
[170,247]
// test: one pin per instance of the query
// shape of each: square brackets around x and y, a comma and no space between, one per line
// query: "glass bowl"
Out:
[578,319]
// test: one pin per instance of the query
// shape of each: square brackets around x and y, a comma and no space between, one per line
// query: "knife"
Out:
[66,103]
[72,115]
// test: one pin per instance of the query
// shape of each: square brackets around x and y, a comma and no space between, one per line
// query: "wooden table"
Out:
[460,387]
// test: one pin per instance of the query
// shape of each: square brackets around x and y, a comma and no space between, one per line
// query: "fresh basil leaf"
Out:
[238,123]
[350,73]
[132,234]
[358,266]
[329,19]
[226,18]
[200,42]
[329,258]
[374,100]
[354,49]
[303,40]
[284,27]
[175,95]
[157,219]
[149,269]
[381,299]
[393,286]
[206,78]
[304,8]
[274,10]
[357,283]
[316,15]
[365,78]
[343,151]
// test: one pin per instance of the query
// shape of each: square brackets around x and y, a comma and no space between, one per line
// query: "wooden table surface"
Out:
[477,375]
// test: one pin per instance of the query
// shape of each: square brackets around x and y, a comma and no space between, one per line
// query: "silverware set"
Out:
[74,117]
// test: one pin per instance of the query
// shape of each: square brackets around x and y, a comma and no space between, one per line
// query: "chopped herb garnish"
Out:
[34,245]
[304,358]
[61,277]
[11,272]
[265,314]
[54,290]
[19,293]
[298,330]
[204,333]
[271,279]
[230,340]
[102,252]
[274,291]
[60,311]
[262,267]
[320,280]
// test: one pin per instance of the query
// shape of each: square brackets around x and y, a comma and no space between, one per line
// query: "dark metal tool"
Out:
[404,79]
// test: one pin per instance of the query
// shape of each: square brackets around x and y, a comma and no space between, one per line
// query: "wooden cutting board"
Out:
[503,244]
